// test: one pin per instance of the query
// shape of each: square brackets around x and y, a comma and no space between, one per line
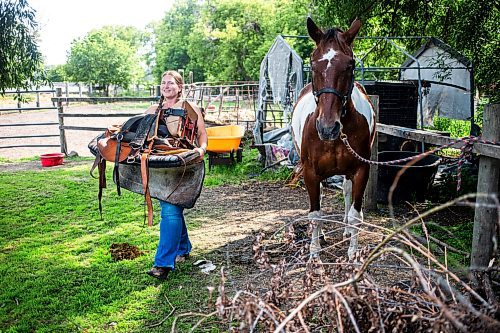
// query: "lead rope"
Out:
[466,148]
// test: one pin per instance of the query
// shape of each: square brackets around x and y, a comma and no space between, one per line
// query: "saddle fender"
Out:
[150,137]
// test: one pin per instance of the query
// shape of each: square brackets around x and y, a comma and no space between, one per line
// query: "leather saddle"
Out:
[166,132]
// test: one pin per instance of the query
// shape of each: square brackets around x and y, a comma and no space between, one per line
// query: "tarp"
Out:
[280,73]
[450,78]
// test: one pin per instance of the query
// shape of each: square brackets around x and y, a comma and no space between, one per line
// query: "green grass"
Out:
[456,128]
[56,273]
[24,159]
[457,235]
[4,160]
[249,168]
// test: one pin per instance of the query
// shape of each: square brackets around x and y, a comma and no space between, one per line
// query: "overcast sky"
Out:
[61,21]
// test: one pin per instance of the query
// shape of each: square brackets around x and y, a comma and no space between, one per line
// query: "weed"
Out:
[456,128]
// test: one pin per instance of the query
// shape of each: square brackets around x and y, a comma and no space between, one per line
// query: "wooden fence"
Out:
[220,98]
[20,108]
[93,100]
[19,94]
[226,100]
[486,216]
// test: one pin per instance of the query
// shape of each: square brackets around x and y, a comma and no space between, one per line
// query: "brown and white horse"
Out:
[330,106]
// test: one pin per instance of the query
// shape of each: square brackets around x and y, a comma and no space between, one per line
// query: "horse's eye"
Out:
[351,65]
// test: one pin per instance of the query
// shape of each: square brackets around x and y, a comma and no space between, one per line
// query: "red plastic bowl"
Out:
[54,159]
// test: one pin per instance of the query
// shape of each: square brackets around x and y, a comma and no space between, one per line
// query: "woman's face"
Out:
[169,88]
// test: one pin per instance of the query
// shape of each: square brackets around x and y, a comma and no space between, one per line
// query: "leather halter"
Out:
[331,90]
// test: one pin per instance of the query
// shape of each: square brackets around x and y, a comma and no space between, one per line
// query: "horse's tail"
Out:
[294,178]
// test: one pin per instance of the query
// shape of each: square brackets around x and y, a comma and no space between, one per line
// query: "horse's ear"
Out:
[314,32]
[350,34]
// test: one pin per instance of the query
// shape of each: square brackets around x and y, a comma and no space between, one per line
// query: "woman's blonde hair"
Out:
[177,77]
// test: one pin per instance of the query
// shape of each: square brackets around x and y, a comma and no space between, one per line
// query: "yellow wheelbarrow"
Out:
[224,141]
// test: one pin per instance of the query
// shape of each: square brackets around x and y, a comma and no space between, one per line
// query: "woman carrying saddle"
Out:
[174,245]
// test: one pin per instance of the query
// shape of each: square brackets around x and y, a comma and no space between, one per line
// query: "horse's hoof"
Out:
[351,253]
[314,215]
[314,250]
[314,255]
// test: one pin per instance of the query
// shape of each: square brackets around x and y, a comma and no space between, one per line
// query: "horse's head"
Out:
[332,66]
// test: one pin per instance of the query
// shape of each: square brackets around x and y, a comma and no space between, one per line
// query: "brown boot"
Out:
[160,273]
[182,258]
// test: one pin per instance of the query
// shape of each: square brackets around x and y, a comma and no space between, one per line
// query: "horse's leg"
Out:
[355,216]
[347,191]
[312,183]
[322,237]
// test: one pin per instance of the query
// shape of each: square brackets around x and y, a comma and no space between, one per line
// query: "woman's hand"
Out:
[201,151]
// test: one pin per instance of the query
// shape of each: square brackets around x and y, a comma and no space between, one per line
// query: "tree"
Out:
[225,40]
[469,26]
[21,63]
[172,39]
[57,73]
[148,54]
[292,21]
[231,38]
[105,56]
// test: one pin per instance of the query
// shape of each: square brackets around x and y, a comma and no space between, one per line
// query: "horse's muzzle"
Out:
[328,133]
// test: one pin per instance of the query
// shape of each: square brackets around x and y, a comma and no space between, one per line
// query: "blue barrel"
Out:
[413,184]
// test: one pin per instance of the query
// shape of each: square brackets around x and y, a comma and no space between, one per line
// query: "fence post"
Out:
[221,100]
[371,188]
[19,100]
[67,93]
[202,91]
[60,116]
[485,218]
[237,105]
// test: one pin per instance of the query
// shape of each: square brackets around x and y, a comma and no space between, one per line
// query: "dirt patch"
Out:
[124,251]
[232,214]
[277,268]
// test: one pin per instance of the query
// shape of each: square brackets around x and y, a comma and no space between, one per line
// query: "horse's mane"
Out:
[333,34]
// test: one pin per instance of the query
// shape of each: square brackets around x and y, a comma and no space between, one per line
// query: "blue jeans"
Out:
[174,238]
